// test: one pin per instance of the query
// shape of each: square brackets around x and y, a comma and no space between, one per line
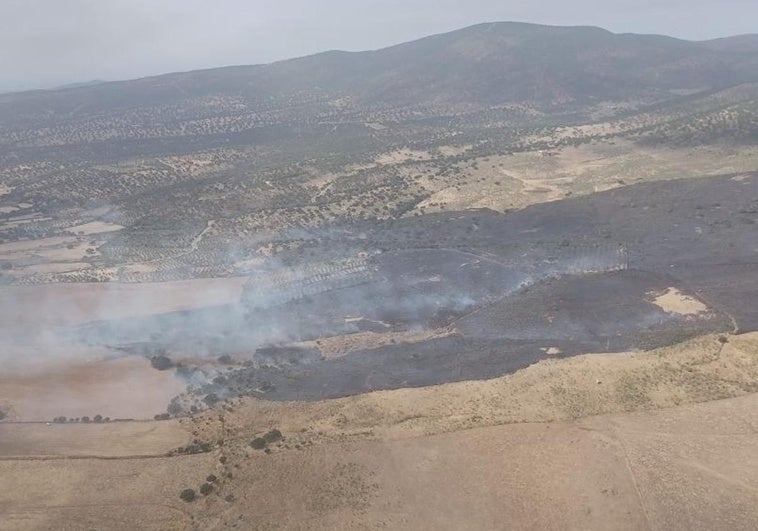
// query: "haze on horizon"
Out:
[47,43]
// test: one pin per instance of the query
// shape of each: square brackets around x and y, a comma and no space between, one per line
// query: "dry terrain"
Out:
[518,451]
[503,277]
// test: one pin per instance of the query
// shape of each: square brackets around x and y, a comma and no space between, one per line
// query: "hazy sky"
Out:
[51,42]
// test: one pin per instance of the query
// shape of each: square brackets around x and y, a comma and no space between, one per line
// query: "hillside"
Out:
[182,175]
[486,64]
[503,274]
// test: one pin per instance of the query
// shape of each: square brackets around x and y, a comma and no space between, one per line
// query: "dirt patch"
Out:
[56,267]
[56,249]
[454,151]
[71,304]
[94,227]
[98,494]
[403,155]
[8,249]
[114,439]
[338,346]
[121,388]
[674,301]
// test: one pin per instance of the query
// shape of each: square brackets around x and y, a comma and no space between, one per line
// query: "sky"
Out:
[48,43]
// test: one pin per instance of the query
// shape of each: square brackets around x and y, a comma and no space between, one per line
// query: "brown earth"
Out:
[68,304]
[125,388]
[515,452]
[690,468]
[115,439]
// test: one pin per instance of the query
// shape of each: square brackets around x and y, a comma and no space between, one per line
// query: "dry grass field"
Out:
[643,440]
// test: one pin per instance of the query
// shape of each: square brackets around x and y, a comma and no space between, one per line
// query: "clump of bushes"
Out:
[161,362]
[259,443]
[98,419]
[197,447]
[188,495]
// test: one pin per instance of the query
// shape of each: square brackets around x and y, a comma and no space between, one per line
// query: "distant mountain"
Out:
[479,66]
[738,43]
[80,84]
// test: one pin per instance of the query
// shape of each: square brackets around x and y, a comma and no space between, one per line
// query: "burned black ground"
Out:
[504,288]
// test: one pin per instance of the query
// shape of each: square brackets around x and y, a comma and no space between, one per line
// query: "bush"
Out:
[206,488]
[188,495]
[211,399]
[273,436]
[161,363]
[259,443]
[197,447]
[211,479]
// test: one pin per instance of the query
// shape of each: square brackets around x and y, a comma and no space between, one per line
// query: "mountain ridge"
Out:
[483,65]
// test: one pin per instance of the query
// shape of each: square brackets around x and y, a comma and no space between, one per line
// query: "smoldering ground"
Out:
[549,276]
[56,329]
